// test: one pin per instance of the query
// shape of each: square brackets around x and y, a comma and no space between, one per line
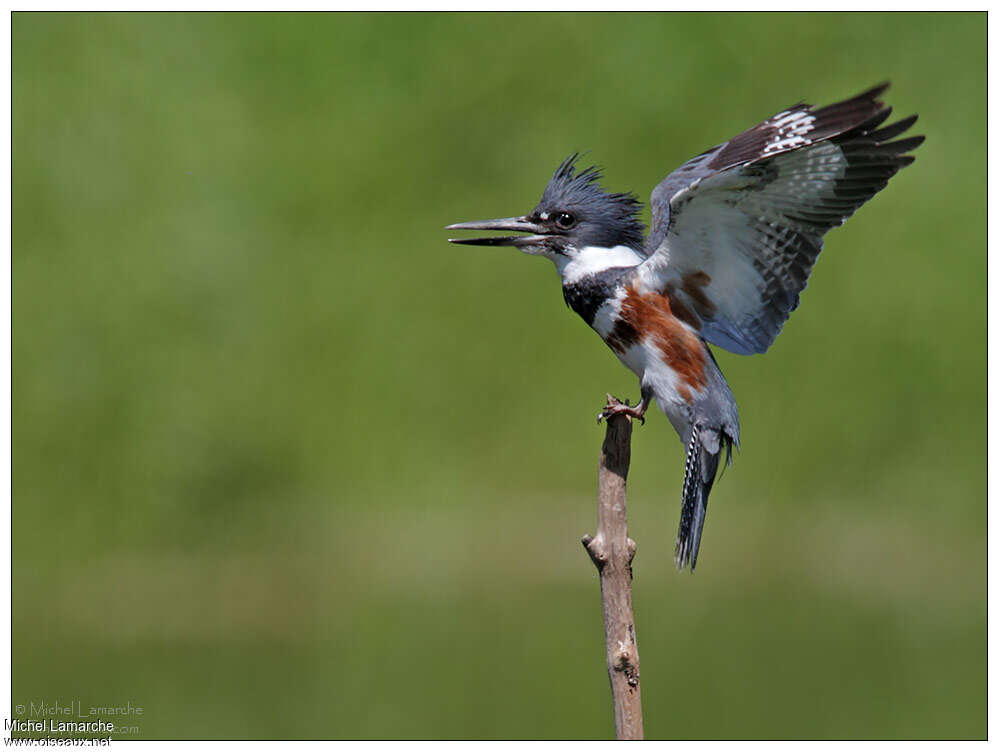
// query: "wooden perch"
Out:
[612,551]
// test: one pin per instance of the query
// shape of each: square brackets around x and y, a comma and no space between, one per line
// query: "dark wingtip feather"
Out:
[878,119]
[895,129]
[865,100]
[874,92]
[844,120]
[906,144]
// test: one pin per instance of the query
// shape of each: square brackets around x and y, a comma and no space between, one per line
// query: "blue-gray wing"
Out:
[736,231]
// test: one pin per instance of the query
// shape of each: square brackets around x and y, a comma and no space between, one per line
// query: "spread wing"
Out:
[736,230]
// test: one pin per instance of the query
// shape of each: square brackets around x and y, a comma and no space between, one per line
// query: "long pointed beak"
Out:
[514,224]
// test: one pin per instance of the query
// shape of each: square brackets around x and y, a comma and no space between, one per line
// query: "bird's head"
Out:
[575,216]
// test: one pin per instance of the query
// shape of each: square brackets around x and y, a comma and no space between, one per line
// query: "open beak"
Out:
[510,224]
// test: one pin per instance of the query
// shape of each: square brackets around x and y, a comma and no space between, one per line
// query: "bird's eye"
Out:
[565,220]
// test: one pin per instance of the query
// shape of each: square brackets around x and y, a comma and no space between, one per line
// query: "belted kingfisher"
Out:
[735,234]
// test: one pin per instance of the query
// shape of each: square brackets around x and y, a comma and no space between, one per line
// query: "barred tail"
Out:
[699,475]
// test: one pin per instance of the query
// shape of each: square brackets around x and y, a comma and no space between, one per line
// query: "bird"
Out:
[733,238]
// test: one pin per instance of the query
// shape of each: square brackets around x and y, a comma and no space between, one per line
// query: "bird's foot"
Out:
[614,407]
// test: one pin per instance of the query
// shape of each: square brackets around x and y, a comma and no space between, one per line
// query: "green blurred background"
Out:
[287,464]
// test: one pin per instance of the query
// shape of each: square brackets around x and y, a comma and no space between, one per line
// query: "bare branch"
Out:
[612,552]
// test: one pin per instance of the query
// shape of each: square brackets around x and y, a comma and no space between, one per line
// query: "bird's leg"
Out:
[613,407]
